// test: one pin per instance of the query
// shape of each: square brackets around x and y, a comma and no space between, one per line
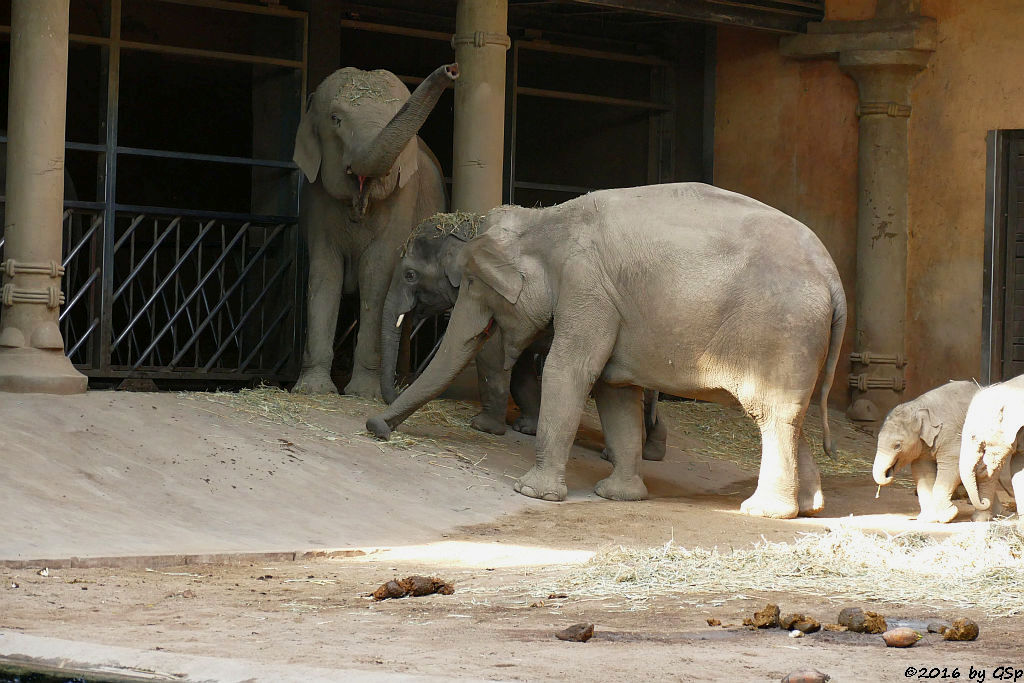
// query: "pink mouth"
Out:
[362,179]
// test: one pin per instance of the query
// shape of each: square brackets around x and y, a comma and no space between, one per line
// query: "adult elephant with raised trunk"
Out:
[370,180]
[686,289]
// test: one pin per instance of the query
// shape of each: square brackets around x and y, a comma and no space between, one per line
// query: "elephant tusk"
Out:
[400,319]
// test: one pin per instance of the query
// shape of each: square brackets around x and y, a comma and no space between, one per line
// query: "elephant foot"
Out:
[621,488]
[654,449]
[379,427]
[315,381]
[364,385]
[774,507]
[812,503]
[483,422]
[942,516]
[539,484]
[981,516]
[525,425]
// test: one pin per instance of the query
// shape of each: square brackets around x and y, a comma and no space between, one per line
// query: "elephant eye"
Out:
[411,275]
[898,446]
[336,119]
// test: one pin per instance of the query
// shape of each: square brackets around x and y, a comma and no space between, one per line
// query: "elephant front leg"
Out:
[492,382]
[942,509]
[923,470]
[570,370]
[621,412]
[326,275]
[375,268]
[1017,479]
[777,481]
[525,387]
[655,432]
[811,497]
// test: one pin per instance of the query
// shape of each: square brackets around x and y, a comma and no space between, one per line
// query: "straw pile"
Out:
[980,568]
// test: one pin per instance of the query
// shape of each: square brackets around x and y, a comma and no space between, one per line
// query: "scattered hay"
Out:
[727,434]
[311,413]
[370,85]
[980,568]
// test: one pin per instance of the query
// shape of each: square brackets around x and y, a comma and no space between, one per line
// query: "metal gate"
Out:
[167,277]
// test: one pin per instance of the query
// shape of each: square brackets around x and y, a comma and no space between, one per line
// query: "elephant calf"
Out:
[993,435]
[683,288]
[925,434]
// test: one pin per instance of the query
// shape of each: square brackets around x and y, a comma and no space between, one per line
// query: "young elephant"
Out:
[925,434]
[683,288]
[993,436]
[423,285]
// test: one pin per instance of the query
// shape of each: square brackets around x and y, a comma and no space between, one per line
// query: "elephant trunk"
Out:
[466,332]
[400,300]
[883,468]
[969,458]
[379,155]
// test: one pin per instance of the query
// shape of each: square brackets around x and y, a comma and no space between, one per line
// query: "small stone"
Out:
[764,618]
[43,572]
[860,621]
[962,629]
[834,627]
[577,633]
[14,584]
[806,676]
[938,627]
[714,622]
[188,594]
[800,622]
[796,634]
[901,637]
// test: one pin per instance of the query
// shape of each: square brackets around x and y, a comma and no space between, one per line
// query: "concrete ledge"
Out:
[151,561]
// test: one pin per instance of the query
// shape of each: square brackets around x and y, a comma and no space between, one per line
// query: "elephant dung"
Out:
[901,637]
[962,629]
[800,622]
[806,676]
[577,633]
[839,628]
[415,586]
[765,618]
[938,627]
[714,622]
[860,621]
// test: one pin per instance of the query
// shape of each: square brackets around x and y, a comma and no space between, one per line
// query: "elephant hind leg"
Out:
[525,388]
[620,409]
[778,481]
[811,497]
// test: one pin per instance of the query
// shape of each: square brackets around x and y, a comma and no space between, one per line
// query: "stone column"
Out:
[883,55]
[31,347]
[480,43]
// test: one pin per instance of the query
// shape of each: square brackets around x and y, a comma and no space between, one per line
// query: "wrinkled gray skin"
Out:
[993,436]
[683,288]
[370,180]
[423,285]
[925,434]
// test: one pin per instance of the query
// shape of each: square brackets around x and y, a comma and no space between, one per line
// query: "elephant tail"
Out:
[835,343]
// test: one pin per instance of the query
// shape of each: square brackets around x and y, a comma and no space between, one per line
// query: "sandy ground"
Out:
[450,514]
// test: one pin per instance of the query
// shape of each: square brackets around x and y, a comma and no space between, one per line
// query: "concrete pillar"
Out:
[31,347]
[883,55]
[480,43]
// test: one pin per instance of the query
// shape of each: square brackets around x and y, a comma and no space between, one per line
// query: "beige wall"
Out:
[786,134]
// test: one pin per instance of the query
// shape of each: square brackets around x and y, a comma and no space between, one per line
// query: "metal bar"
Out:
[554,188]
[263,340]
[129,232]
[84,337]
[243,161]
[105,347]
[430,356]
[344,335]
[79,294]
[513,125]
[275,11]
[592,99]
[86,238]
[817,13]
[198,213]
[396,30]
[993,289]
[138,265]
[781,21]
[245,317]
[224,297]
[210,54]
[198,288]
[537,46]
[196,243]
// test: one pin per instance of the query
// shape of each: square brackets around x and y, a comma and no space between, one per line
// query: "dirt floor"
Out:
[509,560]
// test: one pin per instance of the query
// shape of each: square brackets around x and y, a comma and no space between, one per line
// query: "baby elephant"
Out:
[993,435]
[925,434]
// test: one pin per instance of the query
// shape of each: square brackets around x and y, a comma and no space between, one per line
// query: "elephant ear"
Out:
[307,143]
[494,262]
[453,248]
[408,161]
[928,427]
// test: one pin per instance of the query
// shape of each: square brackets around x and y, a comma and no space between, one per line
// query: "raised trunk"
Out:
[970,481]
[379,155]
[399,301]
[462,339]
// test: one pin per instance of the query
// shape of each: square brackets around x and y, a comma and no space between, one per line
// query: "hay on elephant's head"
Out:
[460,224]
[978,568]
[369,85]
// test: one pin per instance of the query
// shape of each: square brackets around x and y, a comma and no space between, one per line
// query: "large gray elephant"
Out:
[370,180]
[993,436]
[424,284]
[925,434]
[683,288]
